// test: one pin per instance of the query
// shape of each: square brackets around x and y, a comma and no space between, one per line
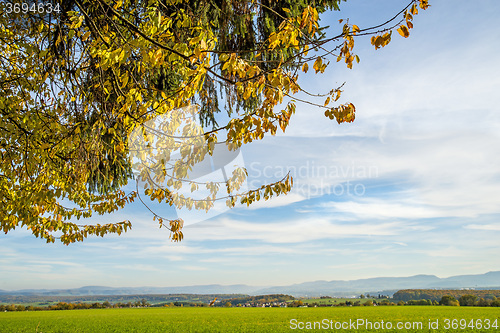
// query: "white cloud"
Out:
[139,267]
[193,268]
[449,251]
[489,227]
[383,209]
[294,231]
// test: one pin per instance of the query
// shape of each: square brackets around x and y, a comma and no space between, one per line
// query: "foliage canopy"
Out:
[83,81]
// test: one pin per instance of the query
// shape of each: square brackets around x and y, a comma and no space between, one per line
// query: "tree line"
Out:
[73,306]
[437,294]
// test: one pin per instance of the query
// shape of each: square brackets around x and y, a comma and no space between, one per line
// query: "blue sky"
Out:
[411,187]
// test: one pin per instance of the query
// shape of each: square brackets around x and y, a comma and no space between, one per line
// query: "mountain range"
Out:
[374,286]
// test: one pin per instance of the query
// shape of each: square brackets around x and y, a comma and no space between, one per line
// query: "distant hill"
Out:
[387,285]
[382,285]
[100,290]
[472,281]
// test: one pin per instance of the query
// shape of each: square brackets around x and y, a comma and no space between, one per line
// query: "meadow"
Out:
[253,319]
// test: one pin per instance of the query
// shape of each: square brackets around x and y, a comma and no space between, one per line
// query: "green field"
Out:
[241,319]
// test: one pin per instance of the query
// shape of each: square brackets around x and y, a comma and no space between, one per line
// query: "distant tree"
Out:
[10,307]
[96,305]
[228,304]
[483,302]
[361,296]
[419,302]
[467,300]
[445,300]
[435,294]
[368,303]
[295,303]
[449,300]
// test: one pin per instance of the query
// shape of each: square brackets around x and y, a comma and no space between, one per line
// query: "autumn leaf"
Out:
[403,31]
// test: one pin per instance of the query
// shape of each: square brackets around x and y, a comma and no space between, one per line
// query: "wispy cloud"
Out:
[193,268]
[293,231]
[383,209]
[489,227]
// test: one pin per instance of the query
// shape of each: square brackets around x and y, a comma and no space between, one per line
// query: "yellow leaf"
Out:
[414,9]
[197,52]
[86,36]
[305,67]
[337,96]
[124,80]
[403,31]
[317,64]
[120,147]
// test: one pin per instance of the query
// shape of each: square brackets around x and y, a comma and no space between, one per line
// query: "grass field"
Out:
[243,319]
